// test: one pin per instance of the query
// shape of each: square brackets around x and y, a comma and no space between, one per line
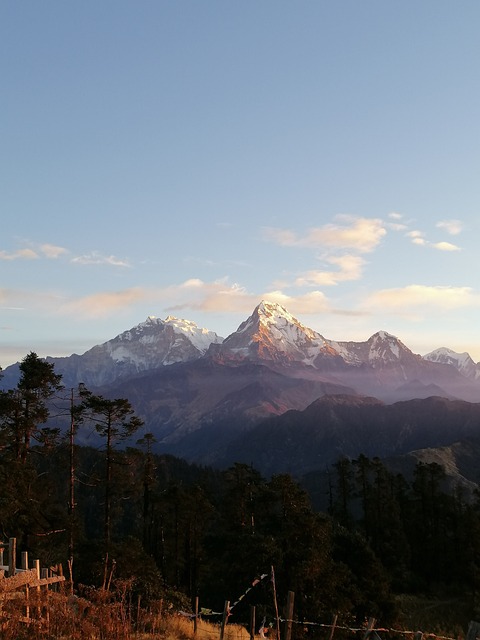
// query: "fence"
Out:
[282,627]
[19,583]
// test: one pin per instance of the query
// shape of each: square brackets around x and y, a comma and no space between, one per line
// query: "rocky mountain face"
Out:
[382,366]
[273,336]
[199,394]
[150,345]
[461,361]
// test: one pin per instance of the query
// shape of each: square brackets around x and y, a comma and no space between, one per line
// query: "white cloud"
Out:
[52,251]
[418,237]
[415,234]
[96,258]
[360,234]
[349,268]
[420,241]
[21,254]
[445,246]
[221,297]
[453,227]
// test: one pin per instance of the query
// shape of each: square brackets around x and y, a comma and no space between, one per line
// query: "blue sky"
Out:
[192,158]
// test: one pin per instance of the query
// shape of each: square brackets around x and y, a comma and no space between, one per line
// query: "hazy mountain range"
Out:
[277,394]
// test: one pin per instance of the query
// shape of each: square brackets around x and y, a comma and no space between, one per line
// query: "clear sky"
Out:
[192,157]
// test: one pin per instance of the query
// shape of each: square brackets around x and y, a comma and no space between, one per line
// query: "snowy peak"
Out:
[149,345]
[159,342]
[272,333]
[461,361]
[381,349]
[200,338]
[385,347]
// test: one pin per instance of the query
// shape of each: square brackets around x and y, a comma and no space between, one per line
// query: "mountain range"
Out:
[277,394]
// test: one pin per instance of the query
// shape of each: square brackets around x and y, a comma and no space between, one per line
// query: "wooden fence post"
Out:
[195,620]
[252,622]
[275,604]
[12,556]
[289,615]
[36,566]
[225,618]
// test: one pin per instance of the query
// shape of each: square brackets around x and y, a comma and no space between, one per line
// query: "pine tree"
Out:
[114,421]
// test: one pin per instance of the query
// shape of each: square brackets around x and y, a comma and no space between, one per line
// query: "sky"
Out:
[187,158]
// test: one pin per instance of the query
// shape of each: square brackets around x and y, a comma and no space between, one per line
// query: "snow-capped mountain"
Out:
[381,349]
[196,392]
[149,345]
[272,334]
[461,361]
[381,366]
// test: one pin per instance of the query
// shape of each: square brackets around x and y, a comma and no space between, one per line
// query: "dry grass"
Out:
[181,628]
[100,615]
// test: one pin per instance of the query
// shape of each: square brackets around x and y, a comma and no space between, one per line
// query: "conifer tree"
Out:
[114,421]
[24,410]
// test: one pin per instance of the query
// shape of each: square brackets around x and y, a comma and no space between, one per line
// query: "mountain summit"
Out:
[461,361]
[149,345]
[272,334]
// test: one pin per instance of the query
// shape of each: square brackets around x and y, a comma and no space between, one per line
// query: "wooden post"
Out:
[473,630]
[275,603]
[36,566]
[12,556]
[289,615]
[334,624]
[24,566]
[225,618]
[252,623]
[195,620]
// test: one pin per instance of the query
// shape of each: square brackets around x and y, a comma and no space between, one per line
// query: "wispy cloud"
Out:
[360,234]
[96,258]
[104,304]
[28,253]
[21,254]
[223,297]
[453,227]
[405,300]
[349,268]
[52,251]
[396,222]
[418,238]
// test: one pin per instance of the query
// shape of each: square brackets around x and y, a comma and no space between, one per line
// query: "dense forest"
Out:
[178,531]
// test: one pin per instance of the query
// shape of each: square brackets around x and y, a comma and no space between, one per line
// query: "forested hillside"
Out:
[178,531]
